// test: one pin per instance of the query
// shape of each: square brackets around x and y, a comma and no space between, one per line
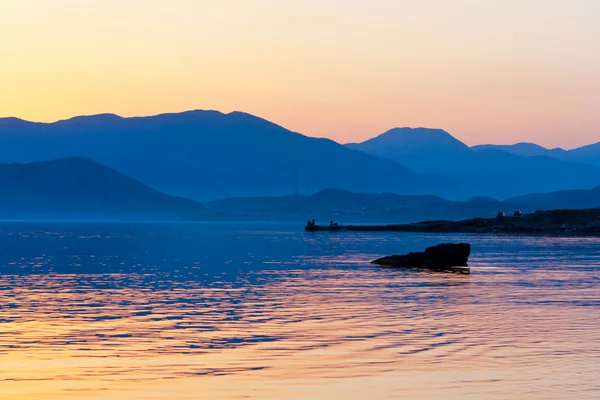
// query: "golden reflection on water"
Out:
[325,333]
[308,334]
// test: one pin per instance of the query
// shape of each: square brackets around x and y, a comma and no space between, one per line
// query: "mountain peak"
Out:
[73,160]
[208,154]
[417,130]
[526,149]
[80,188]
[11,119]
[403,140]
[13,122]
[251,118]
[94,117]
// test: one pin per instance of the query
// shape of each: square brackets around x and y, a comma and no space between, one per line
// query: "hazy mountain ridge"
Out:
[206,154]
[79,188]
[589,154]
[366,207]
[348,207]
[405,140]
[493,171]
[523,149]
[562,199]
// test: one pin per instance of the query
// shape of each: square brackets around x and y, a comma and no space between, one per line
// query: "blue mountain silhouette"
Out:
[348,207]
[524,149]
[79,188]
[562,199]
[589,154]
[206,154]
[491,170]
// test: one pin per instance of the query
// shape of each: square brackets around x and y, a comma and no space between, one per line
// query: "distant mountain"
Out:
[346,207]
[589,154]
[485,171]
[524,149]
[583,155]
[79,188]
[405,139]
[206,154]
[410,145]
[563,199]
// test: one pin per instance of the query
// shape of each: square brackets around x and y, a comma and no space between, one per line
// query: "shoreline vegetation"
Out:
[553,222]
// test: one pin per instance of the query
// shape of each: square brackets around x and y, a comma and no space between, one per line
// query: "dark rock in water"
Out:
[442,256]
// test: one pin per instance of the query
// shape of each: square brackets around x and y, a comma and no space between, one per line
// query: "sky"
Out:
[487,71]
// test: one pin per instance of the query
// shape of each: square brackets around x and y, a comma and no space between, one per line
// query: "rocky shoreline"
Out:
[442,257]
[552,222]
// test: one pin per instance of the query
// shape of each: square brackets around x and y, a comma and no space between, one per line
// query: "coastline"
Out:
[553,222]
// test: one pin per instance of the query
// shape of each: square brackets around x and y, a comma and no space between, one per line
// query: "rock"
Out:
[442,256]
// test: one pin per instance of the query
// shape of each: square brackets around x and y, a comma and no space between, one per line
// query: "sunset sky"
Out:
[486,71]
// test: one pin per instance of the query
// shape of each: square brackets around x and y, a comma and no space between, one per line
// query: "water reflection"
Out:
[203,311]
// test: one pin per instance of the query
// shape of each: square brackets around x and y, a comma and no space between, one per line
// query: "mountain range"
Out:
[484,170]
[77,188]
[348,207]
[562,199]
[589,154]
[208,155]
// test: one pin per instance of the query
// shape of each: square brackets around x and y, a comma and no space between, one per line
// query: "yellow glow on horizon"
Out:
[486,71]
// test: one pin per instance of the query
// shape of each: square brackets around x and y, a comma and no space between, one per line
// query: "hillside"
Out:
[589,154]
[206,154]
[79,188]
[346,206]
[485,171]
[562,199]
[426,151]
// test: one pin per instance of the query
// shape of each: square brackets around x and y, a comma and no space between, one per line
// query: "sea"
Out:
[268,311]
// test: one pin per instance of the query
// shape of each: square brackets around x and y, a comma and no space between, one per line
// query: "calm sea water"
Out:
[239,311]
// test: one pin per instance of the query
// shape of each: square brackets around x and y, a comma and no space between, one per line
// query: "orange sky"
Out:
[487,71]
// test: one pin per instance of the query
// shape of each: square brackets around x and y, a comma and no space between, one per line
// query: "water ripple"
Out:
[115,311]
